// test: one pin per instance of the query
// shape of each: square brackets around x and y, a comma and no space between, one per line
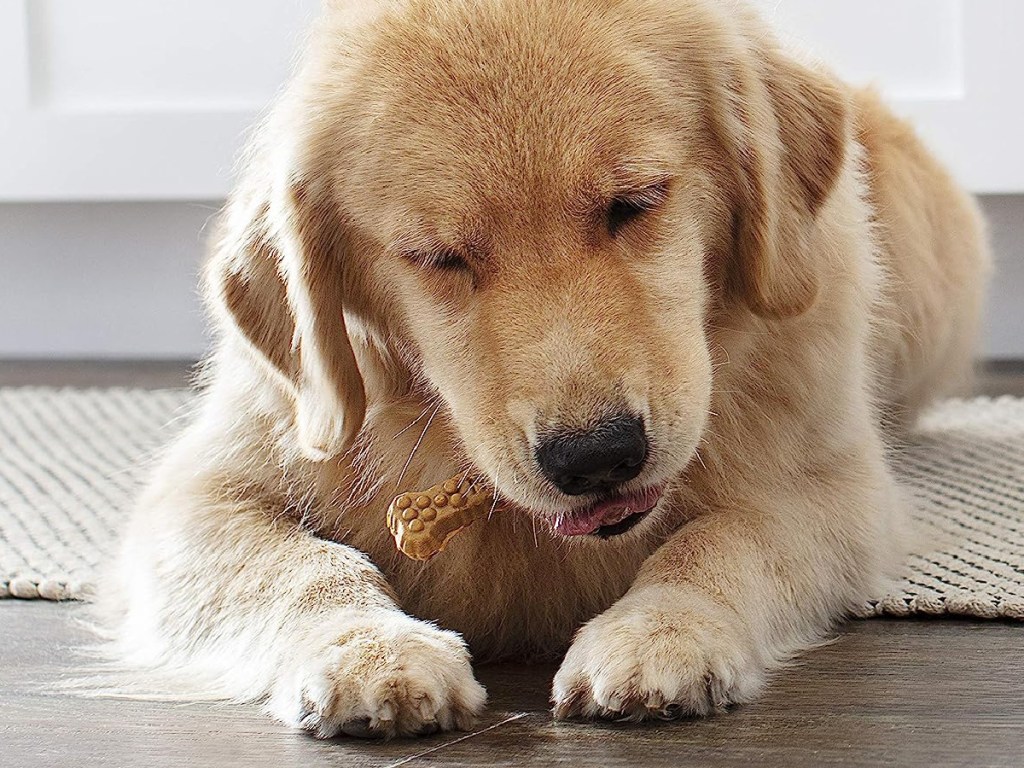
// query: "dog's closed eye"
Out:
[441,259]
[626,207]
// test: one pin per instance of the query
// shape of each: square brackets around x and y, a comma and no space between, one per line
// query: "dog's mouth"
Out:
[610,516]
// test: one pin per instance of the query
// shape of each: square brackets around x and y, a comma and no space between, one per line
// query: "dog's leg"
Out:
[735,593]
[231,598]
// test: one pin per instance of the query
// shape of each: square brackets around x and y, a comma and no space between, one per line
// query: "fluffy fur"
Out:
[415,276]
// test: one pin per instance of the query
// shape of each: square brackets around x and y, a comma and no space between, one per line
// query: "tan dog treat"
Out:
[424,522]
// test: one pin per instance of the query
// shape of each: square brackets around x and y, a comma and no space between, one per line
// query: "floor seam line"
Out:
[467,737]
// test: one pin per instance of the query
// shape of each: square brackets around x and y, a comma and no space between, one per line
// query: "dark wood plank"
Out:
[148,374]
[1002,377]
[887,692]
[40,727]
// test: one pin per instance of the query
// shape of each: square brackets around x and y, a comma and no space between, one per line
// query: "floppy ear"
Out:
[795,124]
[276,279]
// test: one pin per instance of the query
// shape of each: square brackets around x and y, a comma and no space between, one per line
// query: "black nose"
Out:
[588,462]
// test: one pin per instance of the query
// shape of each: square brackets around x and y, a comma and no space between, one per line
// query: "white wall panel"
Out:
[913,49]
[127,99]
[953,66]
[130,100]
[114,100]
[110,56]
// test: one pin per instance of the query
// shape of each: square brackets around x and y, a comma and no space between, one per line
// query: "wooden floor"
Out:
[886,692]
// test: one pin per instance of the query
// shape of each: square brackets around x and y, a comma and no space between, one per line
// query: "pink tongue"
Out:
[608,512]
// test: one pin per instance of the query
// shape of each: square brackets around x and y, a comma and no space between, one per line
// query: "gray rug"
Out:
[71,461]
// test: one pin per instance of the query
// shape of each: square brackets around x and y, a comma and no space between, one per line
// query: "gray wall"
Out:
[101,279]
[1004,331]
[117,280]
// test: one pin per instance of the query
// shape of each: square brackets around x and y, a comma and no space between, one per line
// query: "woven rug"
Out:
[71,461]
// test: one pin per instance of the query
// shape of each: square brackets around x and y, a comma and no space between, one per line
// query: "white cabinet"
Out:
[955,67]
[132,99]
[122,99]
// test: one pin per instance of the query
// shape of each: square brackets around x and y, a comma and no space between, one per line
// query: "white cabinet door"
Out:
[129,99]
[955,67]
[132,99]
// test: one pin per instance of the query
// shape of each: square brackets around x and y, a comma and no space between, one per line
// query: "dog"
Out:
[672,293]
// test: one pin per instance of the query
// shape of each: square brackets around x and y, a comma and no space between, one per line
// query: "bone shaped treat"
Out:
[423,523]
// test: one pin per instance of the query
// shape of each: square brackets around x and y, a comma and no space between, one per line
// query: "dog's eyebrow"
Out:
[632,179]
[650,169]
[634,176]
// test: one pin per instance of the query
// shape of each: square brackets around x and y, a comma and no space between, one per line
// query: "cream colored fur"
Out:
[807,275]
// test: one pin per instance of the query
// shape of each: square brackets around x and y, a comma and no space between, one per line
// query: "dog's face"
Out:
[540,207]
[544,220]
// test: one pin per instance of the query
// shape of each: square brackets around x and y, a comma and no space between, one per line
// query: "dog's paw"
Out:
[379,674]
[661,652]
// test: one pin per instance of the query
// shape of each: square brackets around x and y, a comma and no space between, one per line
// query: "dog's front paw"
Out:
[379,674]
[661,652]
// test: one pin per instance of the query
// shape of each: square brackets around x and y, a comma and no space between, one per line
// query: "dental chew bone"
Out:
[423,523]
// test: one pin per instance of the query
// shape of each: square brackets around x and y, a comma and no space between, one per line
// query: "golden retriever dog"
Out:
[671,293]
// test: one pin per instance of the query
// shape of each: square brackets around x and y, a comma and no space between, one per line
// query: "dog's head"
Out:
[536,207]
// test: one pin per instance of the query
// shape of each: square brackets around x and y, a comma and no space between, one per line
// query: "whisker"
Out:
[494,503]
[411,424]
[697,455]
[416,447]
